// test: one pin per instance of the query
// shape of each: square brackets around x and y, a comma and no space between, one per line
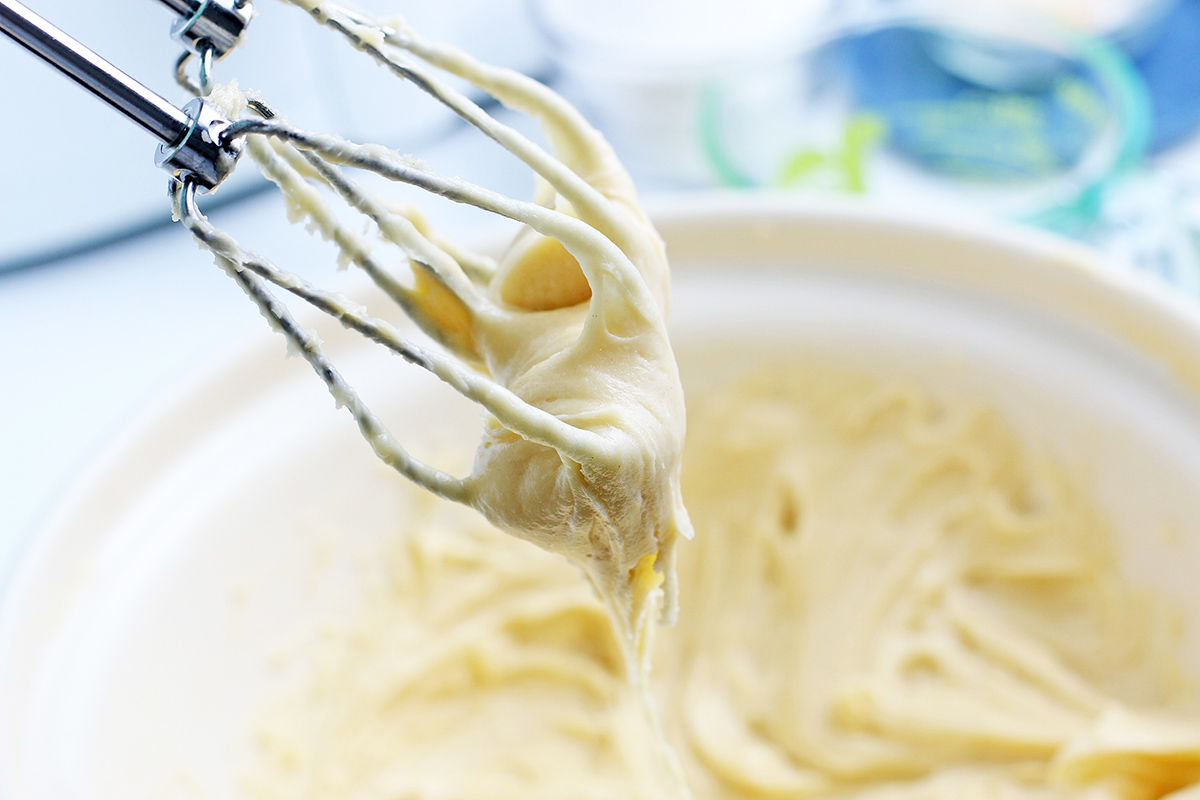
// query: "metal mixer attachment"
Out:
[189,138]
[562,340]
[452,299]
[582,231]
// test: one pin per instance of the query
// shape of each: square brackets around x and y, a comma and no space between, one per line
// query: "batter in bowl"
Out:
[890,596]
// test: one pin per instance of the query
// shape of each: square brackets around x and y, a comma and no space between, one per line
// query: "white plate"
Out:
[143,627]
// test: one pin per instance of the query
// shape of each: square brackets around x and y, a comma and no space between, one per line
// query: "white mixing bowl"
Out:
[138,635]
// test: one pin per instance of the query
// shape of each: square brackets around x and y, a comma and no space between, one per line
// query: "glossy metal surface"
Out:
[189,137]
[201,153]
[215,24]
[162,119]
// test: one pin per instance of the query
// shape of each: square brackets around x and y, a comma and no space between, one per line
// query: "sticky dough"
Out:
[564,341]
[889,597]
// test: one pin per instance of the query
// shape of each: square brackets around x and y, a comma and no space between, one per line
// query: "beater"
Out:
[562,340]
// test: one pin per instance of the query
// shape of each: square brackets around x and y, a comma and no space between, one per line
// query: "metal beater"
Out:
[584,206]
[199,146]
[189,136]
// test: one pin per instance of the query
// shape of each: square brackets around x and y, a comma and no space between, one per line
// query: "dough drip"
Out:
[890,597]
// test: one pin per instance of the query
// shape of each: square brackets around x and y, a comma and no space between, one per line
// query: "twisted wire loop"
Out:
[207,52]
[321,154]
[335,150]
[251,272]
[296,159]
[397,54]
[181,76]
[207,56]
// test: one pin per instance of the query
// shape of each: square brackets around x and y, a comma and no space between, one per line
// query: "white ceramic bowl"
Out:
[137,637]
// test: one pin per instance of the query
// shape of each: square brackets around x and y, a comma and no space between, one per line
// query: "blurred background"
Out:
[1076,116]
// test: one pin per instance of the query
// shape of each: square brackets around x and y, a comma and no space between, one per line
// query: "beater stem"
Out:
[163,120]
[213,24]
[189,137]
[180,7]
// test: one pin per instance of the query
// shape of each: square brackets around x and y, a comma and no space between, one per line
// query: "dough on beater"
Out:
[563,341]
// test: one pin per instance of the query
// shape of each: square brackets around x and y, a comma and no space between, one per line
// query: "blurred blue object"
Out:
[965,111]
[953,125]
[1170,68]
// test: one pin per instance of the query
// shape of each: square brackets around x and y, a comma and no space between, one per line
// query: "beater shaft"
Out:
[181,7]
[216,24]
[189,136]
[163,120]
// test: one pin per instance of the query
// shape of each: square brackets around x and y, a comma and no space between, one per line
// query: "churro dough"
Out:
[890,595]
[563,340]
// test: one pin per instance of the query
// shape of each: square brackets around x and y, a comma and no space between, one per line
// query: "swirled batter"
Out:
[889,596]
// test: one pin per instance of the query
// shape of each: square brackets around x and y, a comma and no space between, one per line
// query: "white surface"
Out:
[682,37]
[139,636]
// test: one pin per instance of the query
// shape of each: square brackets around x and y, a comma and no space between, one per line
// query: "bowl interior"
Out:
[179,582]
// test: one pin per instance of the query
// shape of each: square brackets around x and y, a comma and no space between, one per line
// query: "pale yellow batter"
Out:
[563,341]
[889,596]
